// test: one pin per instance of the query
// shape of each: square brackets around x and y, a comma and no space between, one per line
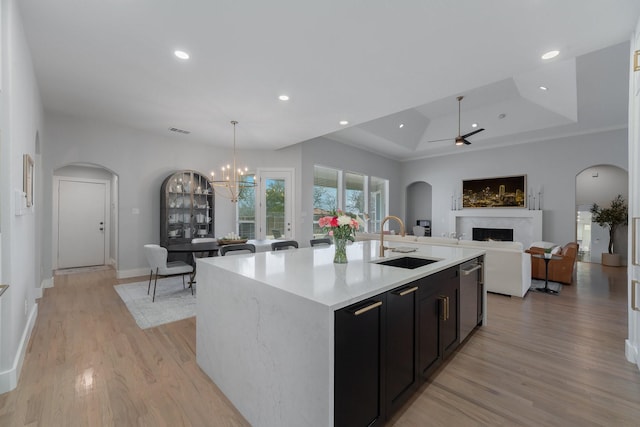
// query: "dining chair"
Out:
[157,258]
[204,254]
[285,244]
[237,248]
[321,241]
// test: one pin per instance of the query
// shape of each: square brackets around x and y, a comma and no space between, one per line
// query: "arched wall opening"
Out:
[599,184]
[95,173]
[419,203]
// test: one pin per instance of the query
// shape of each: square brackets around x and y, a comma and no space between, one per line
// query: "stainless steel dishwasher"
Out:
[470,296]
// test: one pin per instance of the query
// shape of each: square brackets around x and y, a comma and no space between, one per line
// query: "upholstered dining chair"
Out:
[321,241]
[157,258]
[197,255]
[284,244]
[239,248]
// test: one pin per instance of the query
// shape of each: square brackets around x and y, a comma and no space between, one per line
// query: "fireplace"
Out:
[494,234]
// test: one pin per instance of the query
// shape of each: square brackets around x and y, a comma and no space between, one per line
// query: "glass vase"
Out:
[340,256]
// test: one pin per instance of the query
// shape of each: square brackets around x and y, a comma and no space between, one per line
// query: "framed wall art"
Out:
[501,192]
[27,179]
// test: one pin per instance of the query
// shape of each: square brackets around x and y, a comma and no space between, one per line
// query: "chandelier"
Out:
[233,180]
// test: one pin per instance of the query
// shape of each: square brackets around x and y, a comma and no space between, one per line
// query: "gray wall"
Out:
[21,122]
[549,165]
[141,162]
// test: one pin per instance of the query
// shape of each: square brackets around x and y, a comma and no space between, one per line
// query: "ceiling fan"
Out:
[460,139]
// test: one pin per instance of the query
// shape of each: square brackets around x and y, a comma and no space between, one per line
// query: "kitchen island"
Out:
[266,322]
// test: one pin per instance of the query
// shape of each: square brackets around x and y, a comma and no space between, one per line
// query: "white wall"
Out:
[549,165]
[21,117]
[141,161]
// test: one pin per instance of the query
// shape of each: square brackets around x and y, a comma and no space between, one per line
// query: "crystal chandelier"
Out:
[233,180]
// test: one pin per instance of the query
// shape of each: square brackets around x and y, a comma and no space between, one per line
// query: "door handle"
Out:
[406,291]
[444,307]
[367,308]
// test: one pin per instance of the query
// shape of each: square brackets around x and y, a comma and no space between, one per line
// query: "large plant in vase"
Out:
[616,215]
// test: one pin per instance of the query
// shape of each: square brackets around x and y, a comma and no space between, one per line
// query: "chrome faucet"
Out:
[382,246]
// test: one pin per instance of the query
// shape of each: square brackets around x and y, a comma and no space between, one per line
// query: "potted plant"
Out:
[612,217]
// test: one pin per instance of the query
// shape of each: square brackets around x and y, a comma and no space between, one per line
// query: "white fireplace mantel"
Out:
[526,224]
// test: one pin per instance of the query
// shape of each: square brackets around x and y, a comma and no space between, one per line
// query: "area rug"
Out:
[172,302]
[539,284]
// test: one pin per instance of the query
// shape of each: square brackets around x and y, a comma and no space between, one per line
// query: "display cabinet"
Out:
[186,208]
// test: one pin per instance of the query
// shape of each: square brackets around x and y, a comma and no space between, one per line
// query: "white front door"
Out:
[81,223]
[275,211]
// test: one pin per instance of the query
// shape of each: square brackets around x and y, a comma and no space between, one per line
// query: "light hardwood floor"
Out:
[541,361]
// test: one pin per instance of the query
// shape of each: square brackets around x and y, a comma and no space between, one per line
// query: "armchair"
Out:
[559,270]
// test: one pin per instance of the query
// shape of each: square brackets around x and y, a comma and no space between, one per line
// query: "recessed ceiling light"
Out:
[544,88]
[344,122]
[551,54]
[181,54]
[502,115]
[283,97]
[401,125]
[474,125]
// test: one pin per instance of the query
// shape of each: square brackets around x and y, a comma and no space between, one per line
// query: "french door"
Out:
[274,215]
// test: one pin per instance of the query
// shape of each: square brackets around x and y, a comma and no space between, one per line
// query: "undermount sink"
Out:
[407,262]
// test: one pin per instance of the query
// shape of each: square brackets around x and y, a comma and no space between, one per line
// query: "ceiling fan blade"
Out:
[466,142]
[440,140]
[466,135]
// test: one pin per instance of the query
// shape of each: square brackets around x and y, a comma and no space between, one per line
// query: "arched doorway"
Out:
[84,216]
[418,203]
[598,184]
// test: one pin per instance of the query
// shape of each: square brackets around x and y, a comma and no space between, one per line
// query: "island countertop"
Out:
[311,274]
[265,322]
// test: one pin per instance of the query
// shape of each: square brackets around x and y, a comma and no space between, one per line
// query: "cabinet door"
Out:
[449,327]
[358,382]
[401,354]
[429,309]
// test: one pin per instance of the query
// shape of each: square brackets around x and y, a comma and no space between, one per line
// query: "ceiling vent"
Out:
[186,132]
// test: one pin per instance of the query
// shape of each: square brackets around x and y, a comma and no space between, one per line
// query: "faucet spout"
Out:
[382,246]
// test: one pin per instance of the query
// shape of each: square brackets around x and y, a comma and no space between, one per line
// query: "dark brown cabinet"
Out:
[359,356]
[401,345]
[186,208]
[386,346]
[437,319]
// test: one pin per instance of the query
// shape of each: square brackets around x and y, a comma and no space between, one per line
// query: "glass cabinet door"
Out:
[186,208]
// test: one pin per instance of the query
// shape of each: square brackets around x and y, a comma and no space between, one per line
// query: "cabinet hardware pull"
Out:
[447,311]
[406,291]
[634,305]
[471,270]
[443,307]
[367,308]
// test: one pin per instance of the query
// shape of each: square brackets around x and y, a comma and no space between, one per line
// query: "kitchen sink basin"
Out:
[407,262]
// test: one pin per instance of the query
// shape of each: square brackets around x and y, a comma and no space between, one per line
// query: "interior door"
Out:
[276,204]
[81,223]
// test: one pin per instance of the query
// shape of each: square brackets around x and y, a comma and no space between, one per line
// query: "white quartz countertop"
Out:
[311,274]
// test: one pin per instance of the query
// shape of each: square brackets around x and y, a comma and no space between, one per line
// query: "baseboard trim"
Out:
[632,353]
[9,378]
[46,283]
[134,272]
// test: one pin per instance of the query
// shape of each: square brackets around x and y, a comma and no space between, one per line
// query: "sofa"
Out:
[507,267]
[559,270]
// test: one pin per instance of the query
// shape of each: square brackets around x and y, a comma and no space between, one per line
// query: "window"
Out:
[378,207]
[363,196]
[355,202]
[247,212]
[325,194]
